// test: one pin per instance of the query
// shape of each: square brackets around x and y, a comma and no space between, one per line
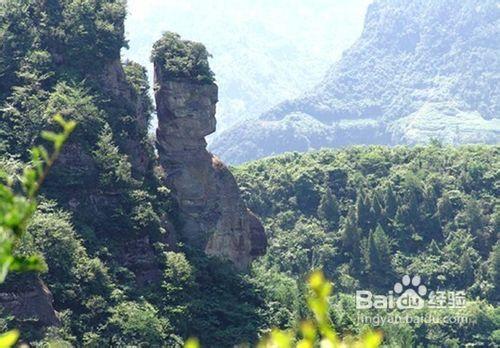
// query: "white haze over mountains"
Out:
[421,70]
[263,51]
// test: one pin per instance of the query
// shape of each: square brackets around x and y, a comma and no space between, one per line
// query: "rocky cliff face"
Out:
[212,211]
[33,302]
[93,205]
[114,82]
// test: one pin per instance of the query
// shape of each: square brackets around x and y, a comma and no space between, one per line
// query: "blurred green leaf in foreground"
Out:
[314,332]
[18,204]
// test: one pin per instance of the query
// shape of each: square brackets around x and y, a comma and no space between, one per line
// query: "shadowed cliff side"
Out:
[213,214]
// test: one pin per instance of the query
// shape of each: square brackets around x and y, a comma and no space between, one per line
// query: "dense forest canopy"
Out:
[369,215]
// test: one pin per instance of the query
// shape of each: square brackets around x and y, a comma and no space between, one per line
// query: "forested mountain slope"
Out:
[107,223]
[420,70]
[369,215]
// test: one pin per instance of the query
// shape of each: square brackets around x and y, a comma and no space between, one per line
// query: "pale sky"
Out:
[264,51]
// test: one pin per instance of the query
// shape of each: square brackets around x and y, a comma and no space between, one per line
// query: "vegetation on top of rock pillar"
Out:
[182,58]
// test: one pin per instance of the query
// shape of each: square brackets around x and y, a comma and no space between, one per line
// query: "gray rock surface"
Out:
[33,303]
[213,214]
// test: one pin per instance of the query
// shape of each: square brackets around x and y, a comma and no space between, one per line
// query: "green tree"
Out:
[81,36]
[445,207]
[377,257]
[422,239]
[21,119]
[116,170]
[475,222]
[351,240]
[319,328]
[376,209]
[494,271]
[73,100]
[328,210]
[281,294]
[178,282]
[306,194]
[138,324]
[350,235]
[303,248]
[390,202]
[137,76]
[467,270]
[363,206]
[434,248]
[403,226]
[17,209]
[76,280]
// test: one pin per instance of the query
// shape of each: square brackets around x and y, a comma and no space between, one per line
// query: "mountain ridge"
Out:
[417,71]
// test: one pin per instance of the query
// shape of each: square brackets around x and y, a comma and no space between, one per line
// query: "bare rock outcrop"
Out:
[114,83]
[33,302]
[213,214]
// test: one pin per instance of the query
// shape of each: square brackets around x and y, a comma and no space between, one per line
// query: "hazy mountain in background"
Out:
[421,69]
[264,52]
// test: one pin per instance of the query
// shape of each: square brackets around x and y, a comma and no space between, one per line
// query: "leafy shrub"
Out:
[73,100]
[182,59]
[80,35]
[115,169]
[137,324]
[137,76]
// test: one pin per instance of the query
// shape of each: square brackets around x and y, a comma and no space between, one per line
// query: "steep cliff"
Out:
[420,70]
[101,235]
[213,214]
[108,206]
